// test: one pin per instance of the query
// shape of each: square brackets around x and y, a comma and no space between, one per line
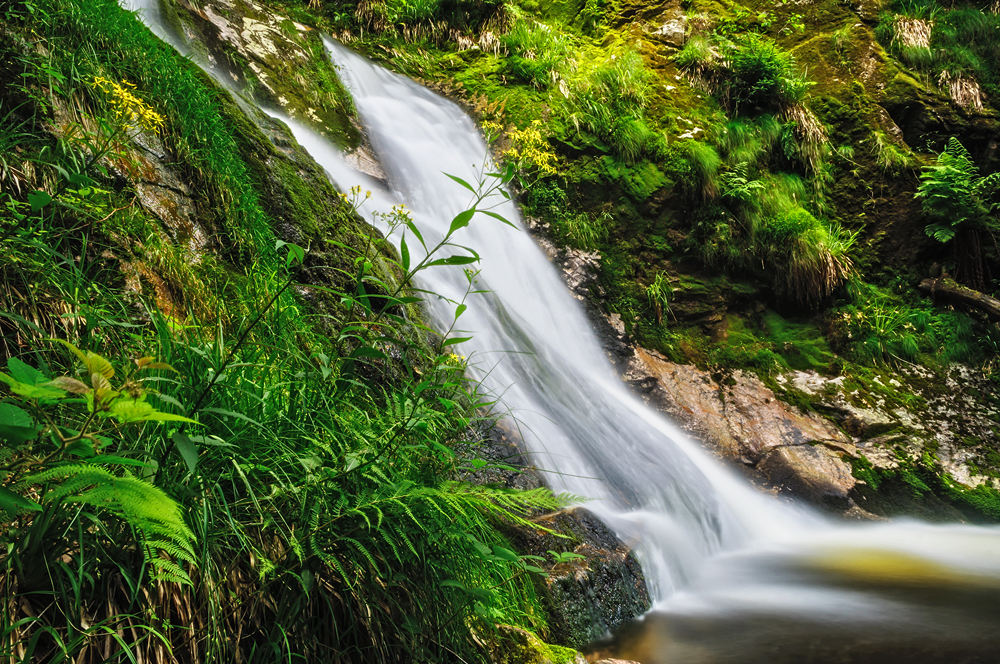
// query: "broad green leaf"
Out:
[504,554]
[24,373]
[135,410]
[459,310]
[82,448]
[12,503]
[188,450]
[16,426]
[38,200]
[31,391]
[461,220]
[404,252]
[454,340]
[451,583]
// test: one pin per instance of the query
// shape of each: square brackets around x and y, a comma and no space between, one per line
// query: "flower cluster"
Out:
[528,151]
[531,151]
[128,108]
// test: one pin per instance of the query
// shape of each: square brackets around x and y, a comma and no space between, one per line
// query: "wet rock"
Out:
[815,471]
[585,598]
[794,452]
[285,60]
[500,445]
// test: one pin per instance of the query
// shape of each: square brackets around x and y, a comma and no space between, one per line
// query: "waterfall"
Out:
[740,572]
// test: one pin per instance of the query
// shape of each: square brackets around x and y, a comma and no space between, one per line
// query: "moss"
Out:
[638,180]
[919,487]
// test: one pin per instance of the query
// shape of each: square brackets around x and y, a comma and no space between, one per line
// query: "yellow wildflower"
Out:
[128,108]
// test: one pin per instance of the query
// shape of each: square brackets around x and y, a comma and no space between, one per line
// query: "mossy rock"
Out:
[284,63]
[588,597]
[513,645]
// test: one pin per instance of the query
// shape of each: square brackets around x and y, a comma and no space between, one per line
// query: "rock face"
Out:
[587,597]
[795,452]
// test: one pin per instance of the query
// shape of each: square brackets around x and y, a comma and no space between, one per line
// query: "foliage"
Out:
[962,205]
[660,293]
[312,511]
[610,105]
[761,75]
[877,327]
[529,153]
[538,53]
[956,196]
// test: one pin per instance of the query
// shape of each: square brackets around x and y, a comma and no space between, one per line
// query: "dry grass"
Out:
[813,139]
[964,90]
[913,32]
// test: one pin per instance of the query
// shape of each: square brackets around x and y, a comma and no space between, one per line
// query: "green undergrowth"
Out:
[246,452]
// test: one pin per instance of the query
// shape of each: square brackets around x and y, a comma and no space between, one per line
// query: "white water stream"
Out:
[736,575]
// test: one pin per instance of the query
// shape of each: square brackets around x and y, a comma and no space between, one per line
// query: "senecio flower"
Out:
[129,109]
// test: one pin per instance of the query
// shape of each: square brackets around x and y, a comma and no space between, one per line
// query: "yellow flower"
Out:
[128,108]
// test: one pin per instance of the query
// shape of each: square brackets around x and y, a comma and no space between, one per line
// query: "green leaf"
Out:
[12,503]
[459,310]
[296,254]
[451,583]
[454,260]
[454,340]
[31,391]
[416,233]
[500,217]
[368,351]
[24,373]
[404,251]
[461,220]
[16,426]
[38,200]
[461,182]
[136,410]
[188,450]
[504,554]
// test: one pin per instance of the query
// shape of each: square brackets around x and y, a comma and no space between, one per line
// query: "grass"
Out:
[538,54]
[610,102]
[318,481]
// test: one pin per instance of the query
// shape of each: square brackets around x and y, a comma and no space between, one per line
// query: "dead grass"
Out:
[964,90]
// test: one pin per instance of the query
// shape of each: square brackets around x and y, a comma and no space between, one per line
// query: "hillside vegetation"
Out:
[765,184]
[227,435]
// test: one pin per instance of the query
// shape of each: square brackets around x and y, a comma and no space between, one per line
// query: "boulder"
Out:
[792,451]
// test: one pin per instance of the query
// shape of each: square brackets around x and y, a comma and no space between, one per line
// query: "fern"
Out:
[149,510]
[955,196]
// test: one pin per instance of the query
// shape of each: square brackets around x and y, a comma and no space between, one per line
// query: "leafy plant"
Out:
[962,205]
[610,104]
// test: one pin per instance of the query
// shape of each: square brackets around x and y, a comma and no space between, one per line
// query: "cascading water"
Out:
[737,576]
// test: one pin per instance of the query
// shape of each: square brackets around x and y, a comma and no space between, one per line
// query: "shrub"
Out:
[538,53]
[611,103]
[762,76]
[962,205]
